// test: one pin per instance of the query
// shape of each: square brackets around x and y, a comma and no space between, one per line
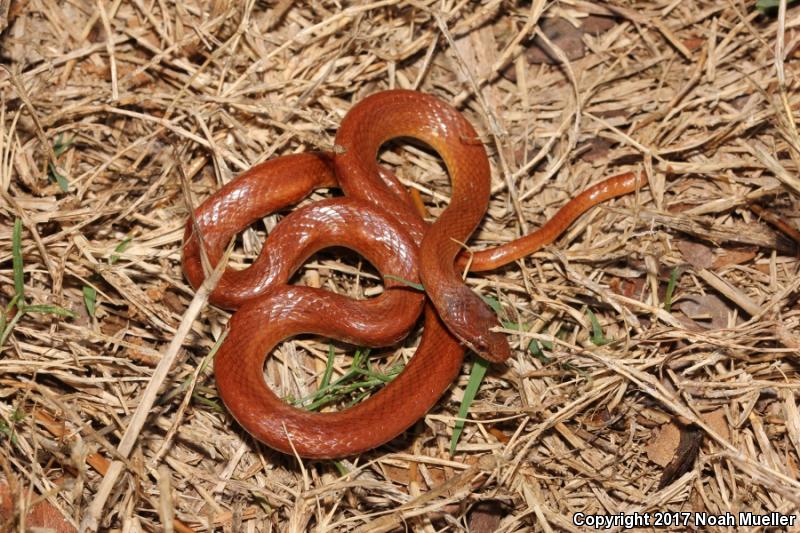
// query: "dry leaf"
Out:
[628,287]
[563,35]
[696,254]
[41,515]
[708,310]
[733,256]
[685,455]
[663,444]
[396,474]
[485,516]
[595,149]
[598,418]
[717,421]
[595,25]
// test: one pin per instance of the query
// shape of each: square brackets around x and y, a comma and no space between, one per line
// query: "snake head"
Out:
[471,320]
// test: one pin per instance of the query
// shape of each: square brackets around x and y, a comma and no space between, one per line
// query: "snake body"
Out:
[377,219]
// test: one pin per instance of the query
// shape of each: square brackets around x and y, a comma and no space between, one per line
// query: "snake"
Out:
[377,218]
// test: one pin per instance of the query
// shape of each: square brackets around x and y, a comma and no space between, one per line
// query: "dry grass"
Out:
[121,98]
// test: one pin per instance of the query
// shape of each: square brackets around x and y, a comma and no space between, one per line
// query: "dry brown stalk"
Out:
[678,305]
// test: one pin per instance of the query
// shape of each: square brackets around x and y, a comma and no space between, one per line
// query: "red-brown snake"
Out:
[377,219]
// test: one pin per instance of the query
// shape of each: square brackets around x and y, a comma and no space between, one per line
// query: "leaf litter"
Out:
[678,305]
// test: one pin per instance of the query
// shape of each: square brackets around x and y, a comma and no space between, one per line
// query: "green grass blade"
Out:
[121,247]
[60,146]
[349,383]
[89,299]
[5,313]
[57,177]
[475,379]
[326,377]
[598,339]
[8,432]
[49,309]
[9,328]
[493,303]
[476,375]
[14,301]
[770,7]
[213,404]
[411,284]
[537,351]
[16,254]
[673,281]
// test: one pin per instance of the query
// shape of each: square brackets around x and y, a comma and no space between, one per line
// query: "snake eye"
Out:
[480,346]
